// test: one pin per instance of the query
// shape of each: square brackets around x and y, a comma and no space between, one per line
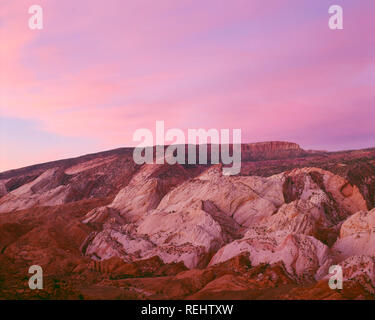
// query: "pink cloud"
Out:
[101,71]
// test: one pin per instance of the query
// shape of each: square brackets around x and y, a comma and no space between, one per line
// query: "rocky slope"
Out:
[103,227]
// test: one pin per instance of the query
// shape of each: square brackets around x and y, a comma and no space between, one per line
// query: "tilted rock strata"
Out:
[156,220]
[200,215]
[304,257]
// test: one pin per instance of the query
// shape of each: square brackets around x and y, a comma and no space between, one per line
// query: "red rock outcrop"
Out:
[103,227]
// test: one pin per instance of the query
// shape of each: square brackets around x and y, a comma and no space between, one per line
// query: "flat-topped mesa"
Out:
[271,145]
[271,150]
[259,151]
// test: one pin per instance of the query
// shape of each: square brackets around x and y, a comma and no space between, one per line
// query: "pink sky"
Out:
[99,70]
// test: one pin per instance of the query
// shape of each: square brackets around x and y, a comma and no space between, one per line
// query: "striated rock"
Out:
[3,188]
[90,164]
[357,236]
[305,217]
[105,173]
[59,182]
[230,229]
[299,216]
[199,216]
[98,216]
[147,188]
[316,202]
[304,257]
[139,228]
[362,221]
[231,195]
[356,166]
[46,190]
[178,236]
[110,243]
[324,188]
[183,236]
